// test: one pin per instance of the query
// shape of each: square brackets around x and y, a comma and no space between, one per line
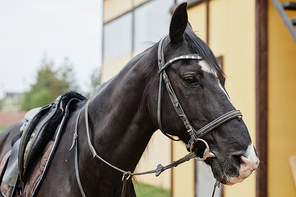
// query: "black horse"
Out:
[129,108]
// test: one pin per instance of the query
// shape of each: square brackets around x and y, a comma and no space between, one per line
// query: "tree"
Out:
[49,84]
[95,81]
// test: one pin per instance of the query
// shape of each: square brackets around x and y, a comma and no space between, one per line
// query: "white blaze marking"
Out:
[225,93]
[206,68]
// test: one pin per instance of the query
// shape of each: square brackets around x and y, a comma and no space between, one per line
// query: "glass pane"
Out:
[152,22]
[205,181]
[118,37]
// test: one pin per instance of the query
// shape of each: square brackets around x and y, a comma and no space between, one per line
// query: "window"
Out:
[151,23]
[137,29]
[118,37]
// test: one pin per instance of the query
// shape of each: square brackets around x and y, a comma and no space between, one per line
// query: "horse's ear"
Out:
[178,23]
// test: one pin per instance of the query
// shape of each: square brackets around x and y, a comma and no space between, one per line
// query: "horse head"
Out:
[197,82]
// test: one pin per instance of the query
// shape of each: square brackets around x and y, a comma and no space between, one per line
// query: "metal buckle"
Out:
[126,176]
[206,153]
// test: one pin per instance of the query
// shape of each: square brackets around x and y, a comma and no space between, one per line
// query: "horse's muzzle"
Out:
[248,164]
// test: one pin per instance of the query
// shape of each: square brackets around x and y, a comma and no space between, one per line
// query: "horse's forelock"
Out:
[201,48]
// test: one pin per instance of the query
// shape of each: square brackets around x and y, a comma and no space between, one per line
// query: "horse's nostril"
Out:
[240,160]
[237,161]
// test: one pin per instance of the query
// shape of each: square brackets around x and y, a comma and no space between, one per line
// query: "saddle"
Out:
[42,126]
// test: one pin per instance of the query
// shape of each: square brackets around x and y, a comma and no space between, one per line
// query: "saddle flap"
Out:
[11,173]
[32,113]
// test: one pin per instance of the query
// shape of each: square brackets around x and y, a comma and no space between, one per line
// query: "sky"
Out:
[56,29]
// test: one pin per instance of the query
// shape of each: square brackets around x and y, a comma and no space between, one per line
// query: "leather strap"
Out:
[74,143]
[195,135]
[177,104]
[126,174]
[219,121]
[162,65]
[181,57]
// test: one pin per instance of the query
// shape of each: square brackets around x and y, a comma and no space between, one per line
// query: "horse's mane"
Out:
[195,43]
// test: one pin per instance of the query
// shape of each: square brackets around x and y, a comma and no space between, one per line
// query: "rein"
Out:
[126,175]
[195,135]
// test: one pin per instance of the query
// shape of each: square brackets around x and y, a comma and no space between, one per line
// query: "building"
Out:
[257,52]
[11,102]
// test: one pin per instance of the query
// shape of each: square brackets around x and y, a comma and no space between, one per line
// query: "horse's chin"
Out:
[217,170]
[220,175]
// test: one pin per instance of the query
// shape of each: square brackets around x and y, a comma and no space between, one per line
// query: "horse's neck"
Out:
[121,121]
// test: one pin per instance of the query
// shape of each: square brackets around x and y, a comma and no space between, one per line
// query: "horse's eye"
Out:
[190,80]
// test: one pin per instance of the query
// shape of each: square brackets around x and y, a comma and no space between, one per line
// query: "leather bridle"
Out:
[196,136]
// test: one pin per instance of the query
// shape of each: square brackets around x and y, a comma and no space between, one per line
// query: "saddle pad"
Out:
[38,172]
[35,183]
[5,189]
[45,126]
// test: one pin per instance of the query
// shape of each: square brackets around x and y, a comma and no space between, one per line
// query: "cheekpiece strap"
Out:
[162,65]
[160,55]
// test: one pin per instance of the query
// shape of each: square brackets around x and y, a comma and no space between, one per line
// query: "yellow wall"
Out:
[232,35]
[157,152]
[110,68]
[281,106]
[197,18]
[115,8]
[184,174]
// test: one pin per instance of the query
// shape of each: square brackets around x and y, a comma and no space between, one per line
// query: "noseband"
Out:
[196,136]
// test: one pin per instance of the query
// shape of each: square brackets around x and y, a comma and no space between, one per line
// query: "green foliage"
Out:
[2,128]
[95,78]
[1,103]
[95,81]
[145,190]
[50,83]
